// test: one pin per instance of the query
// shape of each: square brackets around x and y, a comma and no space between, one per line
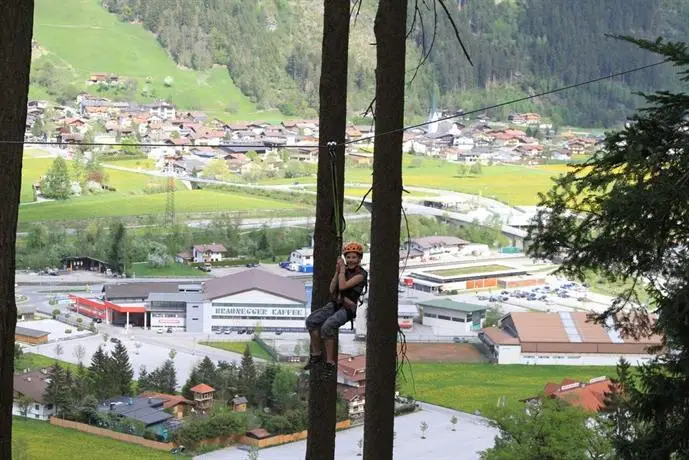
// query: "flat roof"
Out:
[25,331]
[452,305]
[175,297]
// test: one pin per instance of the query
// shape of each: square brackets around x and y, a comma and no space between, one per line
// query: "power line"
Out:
[513,101]
[353,141]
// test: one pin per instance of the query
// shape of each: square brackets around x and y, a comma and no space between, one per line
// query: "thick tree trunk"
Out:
[16,24]
[333,119]
[382,326]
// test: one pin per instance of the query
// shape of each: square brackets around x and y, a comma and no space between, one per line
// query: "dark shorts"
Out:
[329,319]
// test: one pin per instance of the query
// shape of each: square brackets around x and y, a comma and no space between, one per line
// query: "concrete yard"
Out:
[473,435]
[55,328]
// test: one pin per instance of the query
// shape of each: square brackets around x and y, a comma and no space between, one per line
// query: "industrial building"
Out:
[241,301]
[563,338]
[448,317]
[465,277]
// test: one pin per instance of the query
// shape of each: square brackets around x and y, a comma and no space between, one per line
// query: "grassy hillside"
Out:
[85,38]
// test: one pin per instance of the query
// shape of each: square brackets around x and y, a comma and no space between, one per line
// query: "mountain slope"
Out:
[79,37]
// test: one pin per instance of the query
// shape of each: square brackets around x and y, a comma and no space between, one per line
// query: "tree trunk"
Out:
[382,325]
[333,123]
[16,24]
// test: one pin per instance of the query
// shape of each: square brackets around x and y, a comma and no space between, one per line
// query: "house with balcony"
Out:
[203,397]
[202,253]
[351,383]
[28,395]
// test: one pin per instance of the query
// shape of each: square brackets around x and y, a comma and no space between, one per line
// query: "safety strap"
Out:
[337,206]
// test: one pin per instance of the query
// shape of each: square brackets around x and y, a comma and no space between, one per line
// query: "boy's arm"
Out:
[333,283]
[346,284]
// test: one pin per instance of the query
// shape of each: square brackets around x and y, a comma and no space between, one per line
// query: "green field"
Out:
[47,442]
[517,185]
[89,39]
[460,271]
[142,270]
[468,387]
[120,205]
[35,361]
[257,351]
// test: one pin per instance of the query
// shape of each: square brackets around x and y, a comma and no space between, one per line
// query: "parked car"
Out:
[205,267]
[228,331]
[169,330]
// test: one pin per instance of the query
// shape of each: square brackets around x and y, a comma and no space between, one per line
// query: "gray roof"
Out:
[137,290]
[258,279]
[146,410]
[452,305]
[24,309]
[239,400]
[25,331]
[431,241]
[31,384]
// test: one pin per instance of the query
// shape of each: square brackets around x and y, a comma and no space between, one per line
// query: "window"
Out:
[36,407]
[429,315]
[446,318]
[49,407]
[195,306]
[194,319]
[458,320]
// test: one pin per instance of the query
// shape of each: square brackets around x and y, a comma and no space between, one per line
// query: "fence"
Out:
[285,438]
[166,446]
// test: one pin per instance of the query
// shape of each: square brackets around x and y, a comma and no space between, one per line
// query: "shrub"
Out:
[68,331]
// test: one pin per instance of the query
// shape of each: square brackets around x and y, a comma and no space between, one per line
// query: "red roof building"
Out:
[590,396]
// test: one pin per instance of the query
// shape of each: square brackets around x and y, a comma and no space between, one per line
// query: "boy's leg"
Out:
[328,331]
[313,323]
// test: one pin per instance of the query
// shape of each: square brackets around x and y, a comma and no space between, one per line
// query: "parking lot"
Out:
[473,435]
[56,329]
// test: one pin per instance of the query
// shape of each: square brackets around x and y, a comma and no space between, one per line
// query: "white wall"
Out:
[580,359]
[37,414]
[444,327]
[509,354]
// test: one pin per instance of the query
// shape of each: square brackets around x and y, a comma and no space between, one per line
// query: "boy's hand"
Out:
[340,264]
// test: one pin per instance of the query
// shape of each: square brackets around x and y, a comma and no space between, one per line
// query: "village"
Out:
[186,141]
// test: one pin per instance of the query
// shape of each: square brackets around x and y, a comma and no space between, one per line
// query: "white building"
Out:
[448,317]
[301,258]
[163,109]
[562,338]
[351,382]
[434,246]
[29,390]
[208,252]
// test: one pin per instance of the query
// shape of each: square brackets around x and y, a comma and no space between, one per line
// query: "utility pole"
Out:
[320,444]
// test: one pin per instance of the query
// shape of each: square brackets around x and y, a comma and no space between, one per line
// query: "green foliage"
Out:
[56,183]
[196,429]
[631,227]
[549,429]
[163,379]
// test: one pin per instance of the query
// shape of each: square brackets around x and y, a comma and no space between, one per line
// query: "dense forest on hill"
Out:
[272,50]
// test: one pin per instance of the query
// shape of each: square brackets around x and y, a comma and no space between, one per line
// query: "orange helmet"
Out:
[353,246]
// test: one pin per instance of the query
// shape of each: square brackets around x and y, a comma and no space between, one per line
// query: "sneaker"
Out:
[313,360]
[329,370]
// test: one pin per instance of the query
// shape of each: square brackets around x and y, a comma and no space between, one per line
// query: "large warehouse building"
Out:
[562,338]
[241,301]
[470,277]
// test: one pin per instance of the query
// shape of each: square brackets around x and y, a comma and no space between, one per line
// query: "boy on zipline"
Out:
[347,285]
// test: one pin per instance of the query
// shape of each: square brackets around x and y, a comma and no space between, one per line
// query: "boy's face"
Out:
[352,259]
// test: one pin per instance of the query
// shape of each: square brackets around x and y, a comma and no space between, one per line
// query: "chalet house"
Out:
[29,391]
[163,109]
[203,397]
[432,246]
[239,404]
[208,252]
[351,382]
[589,396]
[304,154]
[176,404]
[361,158]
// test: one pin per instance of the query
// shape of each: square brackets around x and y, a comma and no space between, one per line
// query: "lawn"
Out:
[107,45]
[257,351]
[468,387]
[34,168]
[517,185]
[120,204]
[47,442]
[34,361]
[460,271]
[142,270]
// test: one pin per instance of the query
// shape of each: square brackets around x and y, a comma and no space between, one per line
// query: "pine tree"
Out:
[191,382]
[56,183]
[167,377]
[100,375]
[59,390]
[122,371]
[206,372]
[247,375]
[264,386]
[117,256]
[624,215]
